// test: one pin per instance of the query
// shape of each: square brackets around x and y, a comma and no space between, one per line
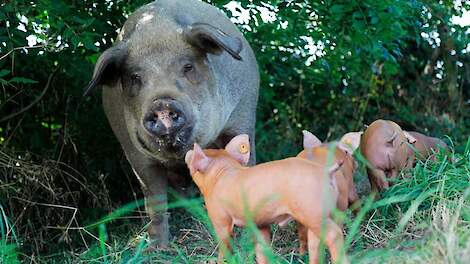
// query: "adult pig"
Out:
[385,145]
[180,72]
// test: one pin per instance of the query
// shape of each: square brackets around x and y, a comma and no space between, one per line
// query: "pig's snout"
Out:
[165,118]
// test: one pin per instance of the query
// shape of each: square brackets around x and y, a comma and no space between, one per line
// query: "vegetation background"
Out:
[326,66]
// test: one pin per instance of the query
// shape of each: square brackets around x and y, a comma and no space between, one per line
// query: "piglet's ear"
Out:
[345,147]
[310,140]
[196,160]
[239,148]
[409,137]
[350,141]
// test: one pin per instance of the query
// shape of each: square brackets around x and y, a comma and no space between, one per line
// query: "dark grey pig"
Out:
[180,72]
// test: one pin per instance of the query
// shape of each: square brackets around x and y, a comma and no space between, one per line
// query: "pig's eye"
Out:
[191,73]
[131,84]
[188,67]
[135,79]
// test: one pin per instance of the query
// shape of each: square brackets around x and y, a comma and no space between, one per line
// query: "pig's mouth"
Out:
[167,147]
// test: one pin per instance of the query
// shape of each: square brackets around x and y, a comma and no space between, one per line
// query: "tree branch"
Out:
[18,48]
[48,84]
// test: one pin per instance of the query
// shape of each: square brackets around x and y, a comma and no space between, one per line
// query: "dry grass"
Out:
[42,200]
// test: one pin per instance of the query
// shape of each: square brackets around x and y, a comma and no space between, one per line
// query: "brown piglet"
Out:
[319,153]
[272,193]
[386,147]
[425,146]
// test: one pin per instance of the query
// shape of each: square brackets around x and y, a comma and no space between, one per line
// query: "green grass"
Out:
[8,243]
[423,218]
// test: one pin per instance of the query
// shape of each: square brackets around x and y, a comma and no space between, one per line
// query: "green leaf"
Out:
[336,9]
[4,72]
[93,58]
[374,20]
[89,45]
[390,68]
[21,80]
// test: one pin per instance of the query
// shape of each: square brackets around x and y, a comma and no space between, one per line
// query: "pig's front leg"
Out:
[378,180]
[153,179]
[334,240]
[353,198]
[302,233]
[393,175]
[265,233]
[223,229]
[313,250]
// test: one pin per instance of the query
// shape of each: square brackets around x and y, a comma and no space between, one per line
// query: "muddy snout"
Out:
[164,119]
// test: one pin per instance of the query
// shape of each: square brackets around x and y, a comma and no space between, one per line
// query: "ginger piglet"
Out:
[318,152]
[425,145]
[386,147]
[273,193]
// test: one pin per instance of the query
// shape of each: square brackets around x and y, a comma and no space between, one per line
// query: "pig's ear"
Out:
[213,40]
[345,147]
[239,148]
[107,67]
[197,160]
[310,140]
[350,142]
[409,137]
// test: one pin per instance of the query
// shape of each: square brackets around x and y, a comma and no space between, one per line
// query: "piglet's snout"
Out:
[164,118]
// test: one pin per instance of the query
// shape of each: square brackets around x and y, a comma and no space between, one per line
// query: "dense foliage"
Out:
[326,66]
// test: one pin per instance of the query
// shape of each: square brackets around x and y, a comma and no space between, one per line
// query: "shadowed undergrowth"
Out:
[424,217]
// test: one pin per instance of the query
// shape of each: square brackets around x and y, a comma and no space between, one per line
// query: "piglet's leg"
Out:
[302,232]
[352,192]
[378,180]
[224,233]
[266,236]
[334,241]
[313,243]
[393,174]
[353,199]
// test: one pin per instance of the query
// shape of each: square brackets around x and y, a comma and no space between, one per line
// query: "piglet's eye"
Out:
[188,67]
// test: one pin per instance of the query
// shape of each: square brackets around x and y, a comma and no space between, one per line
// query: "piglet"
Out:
[272,193]
[425,146]
[319,153]
[386,147]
